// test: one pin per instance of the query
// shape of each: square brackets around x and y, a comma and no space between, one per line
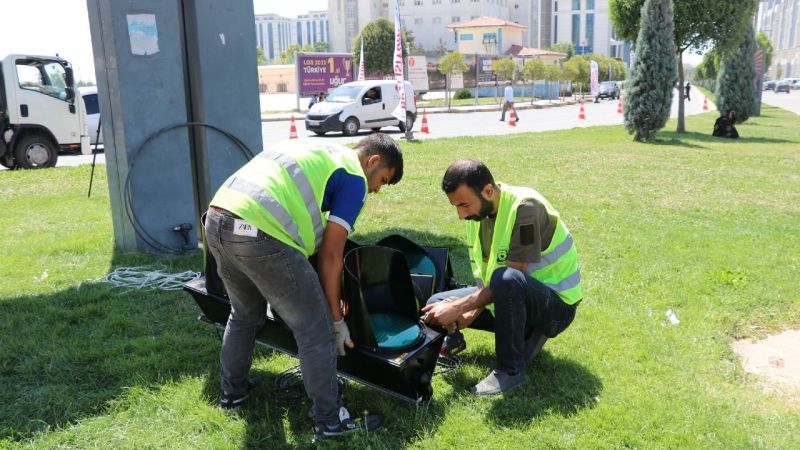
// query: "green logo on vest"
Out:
[502,255]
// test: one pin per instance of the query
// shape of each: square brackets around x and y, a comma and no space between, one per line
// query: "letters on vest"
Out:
[281,192]
[558,267]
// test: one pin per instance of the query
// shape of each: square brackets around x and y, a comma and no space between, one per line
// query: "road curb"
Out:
[453,110]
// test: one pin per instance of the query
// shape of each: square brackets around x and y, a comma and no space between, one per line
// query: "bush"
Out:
[463,94]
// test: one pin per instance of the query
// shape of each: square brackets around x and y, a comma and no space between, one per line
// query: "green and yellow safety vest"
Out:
[558,267]
[281,193]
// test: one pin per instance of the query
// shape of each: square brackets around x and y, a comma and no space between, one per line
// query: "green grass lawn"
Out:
[707,227]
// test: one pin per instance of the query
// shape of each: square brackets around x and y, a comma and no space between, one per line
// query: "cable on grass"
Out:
[149,278]
[289,384]
[447,364]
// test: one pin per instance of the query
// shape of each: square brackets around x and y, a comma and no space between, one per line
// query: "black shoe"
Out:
[453,345]
[366,423]
[232,403]
[502,120]
[499,382]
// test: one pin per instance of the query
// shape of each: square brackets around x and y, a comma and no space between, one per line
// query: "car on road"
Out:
[361,104]
[89,95]
[782,86]
[794,83]
[607,89]
[769,85]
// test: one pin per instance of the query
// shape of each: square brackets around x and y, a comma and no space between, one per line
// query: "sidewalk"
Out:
[538,104]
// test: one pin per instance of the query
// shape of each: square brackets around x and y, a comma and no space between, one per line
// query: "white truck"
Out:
[41,112]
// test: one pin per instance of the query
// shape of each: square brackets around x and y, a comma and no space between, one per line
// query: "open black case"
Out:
[384,287]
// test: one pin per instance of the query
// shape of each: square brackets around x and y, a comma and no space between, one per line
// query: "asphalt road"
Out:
[486,123]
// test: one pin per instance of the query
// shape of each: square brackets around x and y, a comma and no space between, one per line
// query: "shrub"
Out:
[463,94]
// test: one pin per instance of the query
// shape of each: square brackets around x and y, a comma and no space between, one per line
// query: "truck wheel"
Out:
[35,151]
[351,127]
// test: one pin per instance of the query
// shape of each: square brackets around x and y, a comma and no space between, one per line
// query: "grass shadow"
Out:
[690,138]
[65,355]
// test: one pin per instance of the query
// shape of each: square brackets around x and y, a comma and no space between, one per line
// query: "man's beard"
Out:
[486,210]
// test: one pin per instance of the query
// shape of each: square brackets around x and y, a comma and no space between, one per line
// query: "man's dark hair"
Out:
[385,147]
[473,173]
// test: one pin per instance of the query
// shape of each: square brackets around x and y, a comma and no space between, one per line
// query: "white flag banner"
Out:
[361,76]
[593,78]
[399,87]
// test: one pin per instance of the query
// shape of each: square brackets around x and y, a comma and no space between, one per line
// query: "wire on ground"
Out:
[149,278]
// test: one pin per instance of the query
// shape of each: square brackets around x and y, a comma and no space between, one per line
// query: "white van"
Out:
[361,104]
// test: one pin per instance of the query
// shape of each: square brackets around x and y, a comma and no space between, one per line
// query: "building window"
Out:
[437,20]
[576,5]
[555,30]
[455,19]
[402,22]
[466,37]
[473,17]
[401,3]
[576,29]
[555,6]
[418,21]
[590,30]
[589,4]
[417,2]
[437,2]
[455,1]
[489,38]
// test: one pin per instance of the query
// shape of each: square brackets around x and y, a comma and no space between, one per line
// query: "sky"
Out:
[63,28]
[47,27]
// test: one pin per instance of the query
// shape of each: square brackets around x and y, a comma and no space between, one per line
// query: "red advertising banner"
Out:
[321,72]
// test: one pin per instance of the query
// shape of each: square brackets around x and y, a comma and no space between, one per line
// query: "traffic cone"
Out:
[705,103]
[424,123]
[619,106]
[512,119]
[292,129]
[582,114]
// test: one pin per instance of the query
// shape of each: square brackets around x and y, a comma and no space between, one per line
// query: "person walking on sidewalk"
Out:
[262,225]
[524,261]
[688,90]
[508,102]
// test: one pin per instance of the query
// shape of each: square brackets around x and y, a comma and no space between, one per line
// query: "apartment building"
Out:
[276,33]
[780,20]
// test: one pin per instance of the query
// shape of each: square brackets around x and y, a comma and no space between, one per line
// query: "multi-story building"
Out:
[275,33]
[780,20]
[547,21]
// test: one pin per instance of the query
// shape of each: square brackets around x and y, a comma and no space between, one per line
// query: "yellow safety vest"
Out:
[281,192]
[558,267]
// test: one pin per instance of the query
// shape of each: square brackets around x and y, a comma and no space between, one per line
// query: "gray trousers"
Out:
[261,269]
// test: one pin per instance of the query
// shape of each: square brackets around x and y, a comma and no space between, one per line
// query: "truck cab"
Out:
[41,112]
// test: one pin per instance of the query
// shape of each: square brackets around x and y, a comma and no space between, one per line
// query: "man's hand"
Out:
[342,336]
[441,313]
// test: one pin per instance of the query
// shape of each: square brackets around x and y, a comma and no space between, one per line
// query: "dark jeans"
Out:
[523,307]
[260,269]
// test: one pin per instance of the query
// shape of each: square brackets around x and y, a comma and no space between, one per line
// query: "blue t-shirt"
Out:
[344,197]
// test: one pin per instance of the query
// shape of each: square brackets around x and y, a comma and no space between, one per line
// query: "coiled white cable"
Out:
[150,278]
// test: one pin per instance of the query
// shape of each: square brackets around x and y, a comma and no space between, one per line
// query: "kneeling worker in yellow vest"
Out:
[523,260]
[262,225]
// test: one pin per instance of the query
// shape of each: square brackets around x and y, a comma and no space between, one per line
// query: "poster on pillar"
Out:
[418,72]
[143,34]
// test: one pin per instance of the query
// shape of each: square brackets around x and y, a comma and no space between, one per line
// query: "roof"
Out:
[486,21]
[520,51]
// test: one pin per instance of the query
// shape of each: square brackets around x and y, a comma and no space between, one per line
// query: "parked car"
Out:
[794,83]
[89,95]
[361,104]
[607,89]
[769,85]
[782,86]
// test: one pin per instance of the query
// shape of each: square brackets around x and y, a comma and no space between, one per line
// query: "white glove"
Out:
[342,336]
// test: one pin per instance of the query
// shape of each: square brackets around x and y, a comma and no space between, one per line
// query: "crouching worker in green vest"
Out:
[523,260]
[262,225]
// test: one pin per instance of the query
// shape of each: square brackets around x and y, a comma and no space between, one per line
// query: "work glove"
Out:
[342,336]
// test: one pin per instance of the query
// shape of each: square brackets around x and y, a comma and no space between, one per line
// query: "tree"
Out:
[504,68]
[440,48]
[261,57]
[322,46]
[577,70]
[378,37]
[531,71]
[766,46]
[649,92]
[411,44]
[449,64]
[564,47]
[698,24]
[553,73]
[288,56]
[709,67]
[736,82]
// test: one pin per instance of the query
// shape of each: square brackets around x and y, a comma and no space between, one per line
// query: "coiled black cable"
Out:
[140,231]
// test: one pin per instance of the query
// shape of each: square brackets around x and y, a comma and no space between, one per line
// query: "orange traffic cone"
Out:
[705,103]
[582,114]
[619,106]
[292,129]
[512,119]
[424,123]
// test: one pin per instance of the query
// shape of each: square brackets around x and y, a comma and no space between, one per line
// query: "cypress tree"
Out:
[736,88]
[648,94]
